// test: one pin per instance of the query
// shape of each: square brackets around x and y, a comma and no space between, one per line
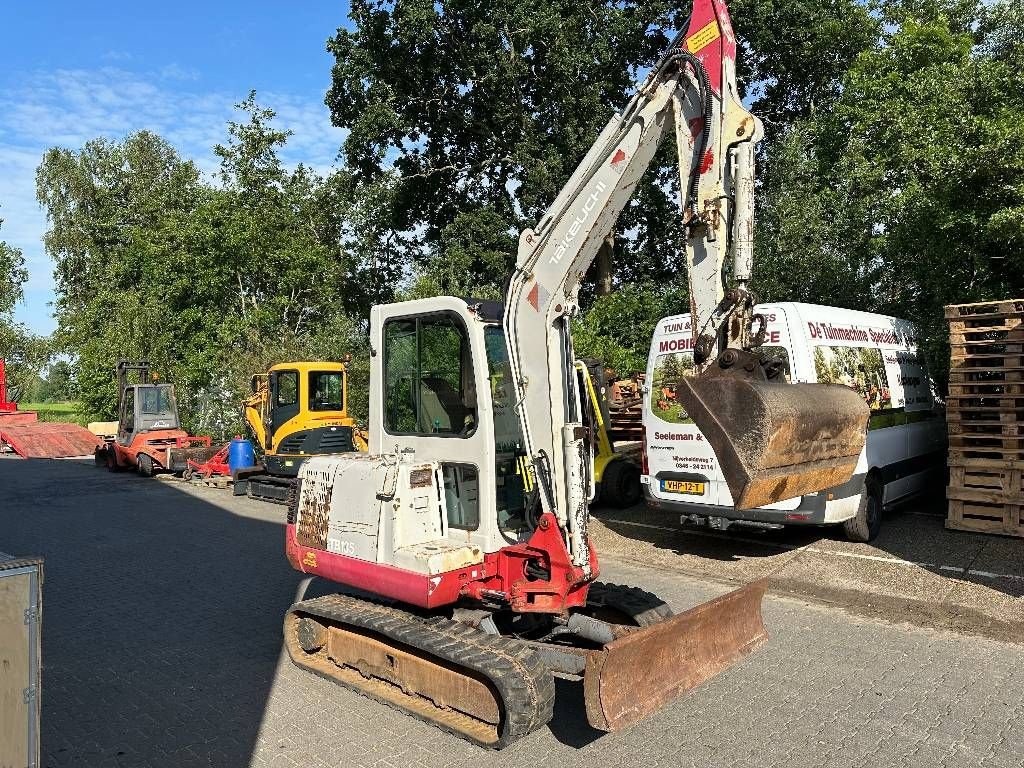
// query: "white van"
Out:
[874,354]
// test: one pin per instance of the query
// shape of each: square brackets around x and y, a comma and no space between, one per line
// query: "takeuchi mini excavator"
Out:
[465,530]
[149,434]
[296,410]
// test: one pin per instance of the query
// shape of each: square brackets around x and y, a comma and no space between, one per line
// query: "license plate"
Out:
[682,486]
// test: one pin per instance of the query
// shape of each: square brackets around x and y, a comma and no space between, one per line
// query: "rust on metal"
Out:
[314,514]
[774,440]
[413,673]
[638,674]
[421,477]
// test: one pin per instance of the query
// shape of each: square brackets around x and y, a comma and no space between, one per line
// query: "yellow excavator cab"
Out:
[296,410]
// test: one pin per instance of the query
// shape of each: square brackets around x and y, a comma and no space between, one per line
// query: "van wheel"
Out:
[145,463]
[620,484]
[868,521]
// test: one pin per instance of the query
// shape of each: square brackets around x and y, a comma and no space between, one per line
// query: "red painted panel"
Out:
[379,579]
[18,417]
[711,38]
[48,440]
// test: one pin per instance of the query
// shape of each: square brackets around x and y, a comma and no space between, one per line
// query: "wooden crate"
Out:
[20,615]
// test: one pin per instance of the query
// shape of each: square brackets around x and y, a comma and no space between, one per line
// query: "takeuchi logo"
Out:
[577,224]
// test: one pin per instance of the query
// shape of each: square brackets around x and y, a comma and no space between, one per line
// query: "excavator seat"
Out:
[774,440]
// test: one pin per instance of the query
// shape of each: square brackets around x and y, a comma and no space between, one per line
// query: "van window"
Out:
[862,369]
[670,367]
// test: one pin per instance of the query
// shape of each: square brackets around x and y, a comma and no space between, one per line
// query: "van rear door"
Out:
[681,465]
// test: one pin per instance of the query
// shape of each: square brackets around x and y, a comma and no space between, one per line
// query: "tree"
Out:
[23,352]
[483,112]
[909,193]
[210,283]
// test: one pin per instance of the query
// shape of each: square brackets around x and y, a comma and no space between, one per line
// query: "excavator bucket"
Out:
[774,440]
[638,673]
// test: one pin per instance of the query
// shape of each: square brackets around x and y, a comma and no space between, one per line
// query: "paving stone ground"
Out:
[162,622]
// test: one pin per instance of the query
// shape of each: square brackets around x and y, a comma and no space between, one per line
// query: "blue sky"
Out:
[71,71]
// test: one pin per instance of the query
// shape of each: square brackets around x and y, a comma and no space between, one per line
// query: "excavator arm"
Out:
[771,445]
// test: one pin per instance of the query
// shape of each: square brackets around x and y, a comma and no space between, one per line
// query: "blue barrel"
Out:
[240,454]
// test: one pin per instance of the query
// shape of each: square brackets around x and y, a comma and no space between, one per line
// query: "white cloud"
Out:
[70,106]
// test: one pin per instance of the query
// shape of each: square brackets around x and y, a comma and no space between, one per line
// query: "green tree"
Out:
[23,352]
[483,112]
[909,193]
[122,240]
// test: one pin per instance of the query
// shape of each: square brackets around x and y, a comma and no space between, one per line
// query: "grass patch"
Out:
[69,407]
[67,413]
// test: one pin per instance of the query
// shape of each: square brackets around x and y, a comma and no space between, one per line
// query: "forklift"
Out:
[149,435]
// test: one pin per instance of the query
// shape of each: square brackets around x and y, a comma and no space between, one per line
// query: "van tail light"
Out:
[643,455]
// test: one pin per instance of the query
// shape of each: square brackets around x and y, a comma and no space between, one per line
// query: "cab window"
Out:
[326,392]
[287,388]
[462,496]
[428,377]
[156,400]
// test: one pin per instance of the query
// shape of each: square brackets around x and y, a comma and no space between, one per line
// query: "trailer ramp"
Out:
[47,440]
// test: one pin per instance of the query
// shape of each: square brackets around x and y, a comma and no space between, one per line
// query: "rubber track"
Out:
[523,682]
[644,607]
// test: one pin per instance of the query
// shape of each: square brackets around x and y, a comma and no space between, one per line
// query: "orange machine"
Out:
[149,434]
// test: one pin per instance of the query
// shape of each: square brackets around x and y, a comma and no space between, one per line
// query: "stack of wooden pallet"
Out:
[985,412]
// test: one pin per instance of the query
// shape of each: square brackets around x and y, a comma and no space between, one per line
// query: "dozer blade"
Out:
[774,440]
[639,673]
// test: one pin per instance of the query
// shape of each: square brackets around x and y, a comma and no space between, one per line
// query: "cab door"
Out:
[284,400]
[430,401]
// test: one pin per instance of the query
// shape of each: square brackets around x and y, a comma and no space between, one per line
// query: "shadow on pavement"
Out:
[161,616]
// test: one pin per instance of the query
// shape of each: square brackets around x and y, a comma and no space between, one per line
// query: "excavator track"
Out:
[488,689]
[641,607]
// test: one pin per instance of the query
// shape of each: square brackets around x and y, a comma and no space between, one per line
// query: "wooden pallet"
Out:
[985,309]
[1003,519]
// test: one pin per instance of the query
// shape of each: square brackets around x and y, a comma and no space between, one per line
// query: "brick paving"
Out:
[162,614]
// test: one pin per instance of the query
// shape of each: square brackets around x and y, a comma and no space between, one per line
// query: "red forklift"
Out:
[149,434]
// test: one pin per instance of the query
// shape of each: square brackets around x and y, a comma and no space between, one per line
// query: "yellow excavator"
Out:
[616,477]
[296,410]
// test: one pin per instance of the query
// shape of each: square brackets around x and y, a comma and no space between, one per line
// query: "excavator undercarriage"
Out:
[466,676]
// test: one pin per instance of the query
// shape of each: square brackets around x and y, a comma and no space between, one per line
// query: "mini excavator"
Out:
[464,528]
[296,410]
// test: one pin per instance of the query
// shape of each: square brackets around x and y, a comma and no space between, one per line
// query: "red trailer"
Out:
[23,433]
